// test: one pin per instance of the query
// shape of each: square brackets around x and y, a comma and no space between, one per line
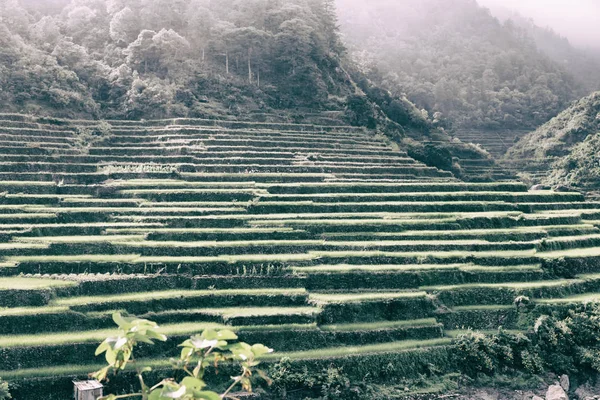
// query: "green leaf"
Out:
[226,334]
[206,395]
[186,352]
[111,356]
[209,334]
[102,347]
[193,383]
[120,321]
[101,374]
[260,349]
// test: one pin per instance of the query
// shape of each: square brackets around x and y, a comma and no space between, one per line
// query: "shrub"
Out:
[4,393]
[86,136]
[360,112]
[197,354]
[568,345]
[431,155]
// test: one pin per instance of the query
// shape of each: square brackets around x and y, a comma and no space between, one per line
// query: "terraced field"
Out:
[322,242]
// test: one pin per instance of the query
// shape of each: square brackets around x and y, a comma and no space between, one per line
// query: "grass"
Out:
[82,239]
[260,311]
[21,283]
[168,294]
[113,258]
[580,298]
[6,312]
[376,268]
[377,325]
[572,253]
[457,332]
[324,298]
[97,335]
[334,352]
[508,285]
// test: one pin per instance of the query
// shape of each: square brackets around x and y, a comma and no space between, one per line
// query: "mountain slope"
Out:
[583,64]
[157,58]
[571,137]
[454,57]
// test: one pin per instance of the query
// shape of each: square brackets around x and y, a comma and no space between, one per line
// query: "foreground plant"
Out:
[197,353]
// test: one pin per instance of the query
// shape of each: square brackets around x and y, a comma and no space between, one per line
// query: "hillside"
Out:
[456,59]
[323,242]
[156,59]
[582,64]
[567,145]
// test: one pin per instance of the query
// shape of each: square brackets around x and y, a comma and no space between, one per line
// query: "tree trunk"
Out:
[203,51]
[227,63]
[258,77]
[249,65]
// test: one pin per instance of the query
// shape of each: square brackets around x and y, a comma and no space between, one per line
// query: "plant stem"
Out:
[235,382]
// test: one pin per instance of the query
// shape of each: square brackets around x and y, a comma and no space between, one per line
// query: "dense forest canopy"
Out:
[156,58]
[454,57]
[583,64]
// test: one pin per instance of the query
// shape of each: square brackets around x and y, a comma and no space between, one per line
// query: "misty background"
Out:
[577,20]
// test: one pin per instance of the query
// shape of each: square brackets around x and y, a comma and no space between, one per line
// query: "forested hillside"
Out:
[584,65]
[158,58]
[574,138]
[454,57]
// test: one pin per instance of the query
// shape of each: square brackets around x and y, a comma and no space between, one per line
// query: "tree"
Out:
[124,26]
[45,32]
[199,26]
[293,44]
[172,49]
[221,40]
[142,54]
[254,41]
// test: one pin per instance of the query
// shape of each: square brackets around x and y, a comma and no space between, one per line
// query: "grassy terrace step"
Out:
[371,306]
[340,277]
[19,292]
[408,358]
[368,187]
[428,196]
[505,293]
[69,347]
[262,263]
[184,248]
[490,235]
[479,317]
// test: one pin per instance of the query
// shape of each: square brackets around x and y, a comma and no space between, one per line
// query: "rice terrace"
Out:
[299,200]
[322,241]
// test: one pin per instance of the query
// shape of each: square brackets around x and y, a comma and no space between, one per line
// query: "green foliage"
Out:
[138,60]
[562,345]
[573,139]
[360,112]
[456,60]
[431,155]
[330,383]
[4,393]
[87,136]
[197,354]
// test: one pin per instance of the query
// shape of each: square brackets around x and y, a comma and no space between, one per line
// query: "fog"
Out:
[578,20]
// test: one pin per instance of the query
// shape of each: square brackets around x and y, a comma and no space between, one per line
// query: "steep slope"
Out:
[565,148]
[583,64]
[323,242]
[454,57]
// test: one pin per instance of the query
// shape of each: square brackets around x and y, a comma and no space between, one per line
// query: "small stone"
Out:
[537,398]
[565,383]
[555,392]
[540,187]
